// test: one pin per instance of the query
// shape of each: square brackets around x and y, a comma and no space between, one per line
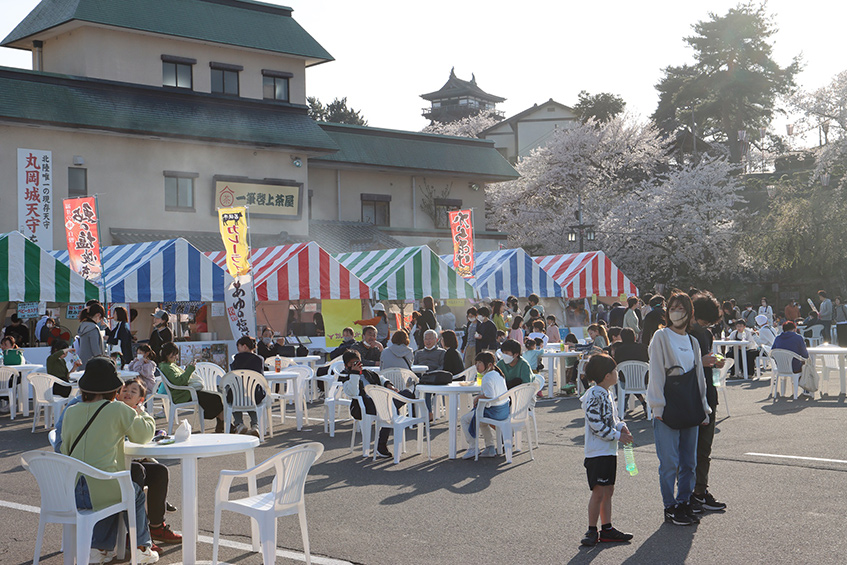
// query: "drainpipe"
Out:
[338,191]
[414,205]
[37,55]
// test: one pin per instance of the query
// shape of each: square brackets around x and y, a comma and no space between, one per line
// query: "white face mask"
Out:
[507,358]
[677,318]
[266,340]
[472,319]
[140,356]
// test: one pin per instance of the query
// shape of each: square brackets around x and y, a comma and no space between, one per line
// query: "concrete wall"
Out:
[135,57]
[533,130]
[127,175]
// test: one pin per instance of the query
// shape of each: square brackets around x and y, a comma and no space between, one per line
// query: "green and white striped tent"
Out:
[407,273]
[30,274]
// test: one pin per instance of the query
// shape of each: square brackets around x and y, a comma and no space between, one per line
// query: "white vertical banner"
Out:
[240,307]
[35,196]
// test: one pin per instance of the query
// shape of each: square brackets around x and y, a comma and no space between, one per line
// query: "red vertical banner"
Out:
[461,226]
[83,237]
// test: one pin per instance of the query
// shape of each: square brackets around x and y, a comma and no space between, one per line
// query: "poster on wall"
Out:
[83,237]
[240,308]
[73,310]
[27,310]
[35,196]
[461,228]
[339,314]
[217,353]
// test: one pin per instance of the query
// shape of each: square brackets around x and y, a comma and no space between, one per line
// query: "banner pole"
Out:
[252,278]
[102,284]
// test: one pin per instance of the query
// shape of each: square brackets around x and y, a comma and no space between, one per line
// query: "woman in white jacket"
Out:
[677,395]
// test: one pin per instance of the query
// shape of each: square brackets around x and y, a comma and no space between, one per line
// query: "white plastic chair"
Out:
[334,398]
[10,392]
[174,409]
[635,375]
[519,418]
[366,425]
[727,365]
[284,362]
[814,334]
[763,360]
[57,476]
[43,400]
[399,377]
[782,359]
[291,468]
[580,372]
[334,370]
[154,395]
[829,364]
[238,389]
[53,438]
[295,393]
[210,374]
[388,416]
[538,381]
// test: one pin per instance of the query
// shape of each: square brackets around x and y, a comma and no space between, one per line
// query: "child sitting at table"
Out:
[533,354]
[145,365]
[493,386]
[57,366]
[150,473]
[603,429]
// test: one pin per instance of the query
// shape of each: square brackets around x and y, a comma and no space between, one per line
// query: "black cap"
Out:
[100,376]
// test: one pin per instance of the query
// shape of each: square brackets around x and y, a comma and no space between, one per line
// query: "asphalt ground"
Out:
[781,510]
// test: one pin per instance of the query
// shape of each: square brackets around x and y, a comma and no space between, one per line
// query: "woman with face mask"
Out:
[677,395]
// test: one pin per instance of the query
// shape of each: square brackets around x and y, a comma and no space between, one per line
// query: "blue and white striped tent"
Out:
[498,274]
[159,271]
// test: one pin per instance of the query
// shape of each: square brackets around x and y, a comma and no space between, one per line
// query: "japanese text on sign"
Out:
[35,196]
[262,198]
[461,226]
[83,236]
[233,226]
[240,309]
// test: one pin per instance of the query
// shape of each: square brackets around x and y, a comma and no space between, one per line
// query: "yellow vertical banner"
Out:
[339,314]
[233,226]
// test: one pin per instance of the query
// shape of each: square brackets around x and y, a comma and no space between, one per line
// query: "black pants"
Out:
[154,476]
[841,331]
[752,354]
[61,390]
[210,403]
[705,436]
[370,408]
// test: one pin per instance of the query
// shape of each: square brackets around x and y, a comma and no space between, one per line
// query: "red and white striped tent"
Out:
[300,271]
[584,274]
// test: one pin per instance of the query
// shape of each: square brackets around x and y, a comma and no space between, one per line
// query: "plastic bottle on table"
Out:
[277,364]
[629,456]
[479,379]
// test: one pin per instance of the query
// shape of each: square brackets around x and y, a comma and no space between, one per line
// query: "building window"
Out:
[225,78]
[376,209]
[179,191]
[275,85]
[77,182]
[177,72]
[442,206]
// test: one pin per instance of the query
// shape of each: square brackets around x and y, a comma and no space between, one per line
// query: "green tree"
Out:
[733,83]
[335,112]
[601,107]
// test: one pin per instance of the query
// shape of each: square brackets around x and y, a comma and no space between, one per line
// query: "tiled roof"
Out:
[230,22]
[455,87]
[51,99]
[344,237]
[413,151]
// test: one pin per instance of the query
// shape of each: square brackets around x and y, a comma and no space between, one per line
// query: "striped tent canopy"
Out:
[584,274]
[498,274]
[159,271]
[407,273]
[300,271]
[28,273]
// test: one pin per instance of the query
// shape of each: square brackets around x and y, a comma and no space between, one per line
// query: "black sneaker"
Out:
[614,535]
[686,507]
[383,452]
[676,515]
[170,507]
[590,538]
[695,505]
[708,502]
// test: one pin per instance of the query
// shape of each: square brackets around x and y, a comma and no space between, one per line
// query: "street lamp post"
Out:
[582,230]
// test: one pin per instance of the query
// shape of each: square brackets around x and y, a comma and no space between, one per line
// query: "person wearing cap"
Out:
[379,321]
[766,333]
[161,332]
[101,445]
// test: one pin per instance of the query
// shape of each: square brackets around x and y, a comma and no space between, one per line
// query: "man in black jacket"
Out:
[616,315]
[486,331]
[369,349]
[246,358]
[706,313]
[654,319]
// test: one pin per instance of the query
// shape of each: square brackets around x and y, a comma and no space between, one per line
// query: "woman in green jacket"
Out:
[57,367]
[210,402]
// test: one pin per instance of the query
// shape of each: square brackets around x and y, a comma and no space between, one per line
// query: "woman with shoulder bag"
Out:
[677,395]
[121,336]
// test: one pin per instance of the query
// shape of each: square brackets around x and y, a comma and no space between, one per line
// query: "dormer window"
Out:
[177,72]
[225,78]
[275,85]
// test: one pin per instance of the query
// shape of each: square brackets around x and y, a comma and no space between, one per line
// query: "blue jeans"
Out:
[500,412]
[677,452]
[105,532]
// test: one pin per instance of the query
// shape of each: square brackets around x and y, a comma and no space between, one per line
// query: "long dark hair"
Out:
[685,301]
[487,358]
[87,314]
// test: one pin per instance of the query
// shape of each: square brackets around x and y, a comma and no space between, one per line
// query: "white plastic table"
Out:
[124,375]
[556,358]
[737,346]
[188,452]
[281,377]
[23,387]
[452,392]
[417,369]
[840,352]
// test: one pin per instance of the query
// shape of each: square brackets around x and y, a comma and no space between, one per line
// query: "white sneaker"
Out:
[241,429]
[100,556]
[470,453]
[489,451]
[146,555]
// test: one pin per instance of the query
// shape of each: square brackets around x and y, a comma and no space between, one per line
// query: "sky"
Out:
[388,52]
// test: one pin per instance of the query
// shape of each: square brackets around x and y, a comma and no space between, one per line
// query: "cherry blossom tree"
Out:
[466,127]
